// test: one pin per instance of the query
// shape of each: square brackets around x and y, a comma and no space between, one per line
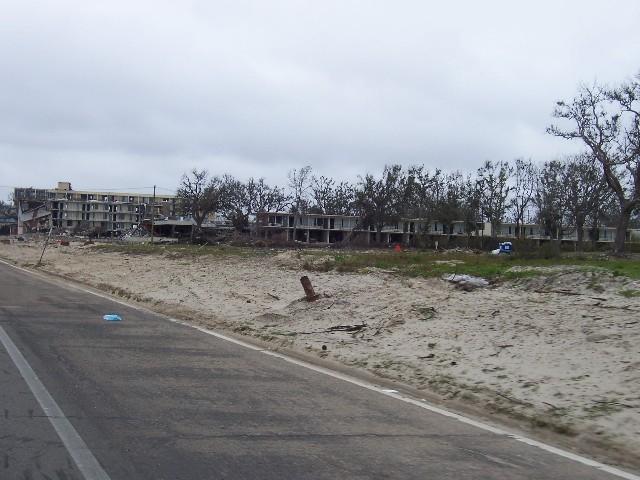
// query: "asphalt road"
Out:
[153,399]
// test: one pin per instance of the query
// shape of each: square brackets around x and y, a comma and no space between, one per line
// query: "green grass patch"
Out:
[432,264]
[602,408]
[630,293]
[181,250]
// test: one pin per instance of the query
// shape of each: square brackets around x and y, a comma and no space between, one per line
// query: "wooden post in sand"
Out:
[46,242]
[308,289]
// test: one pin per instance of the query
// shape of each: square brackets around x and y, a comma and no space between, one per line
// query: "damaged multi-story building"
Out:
[328,229]
[98,212]
[322,228]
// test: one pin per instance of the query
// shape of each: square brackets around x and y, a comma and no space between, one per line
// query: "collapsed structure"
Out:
[328,229]
[115,213]
[99,212]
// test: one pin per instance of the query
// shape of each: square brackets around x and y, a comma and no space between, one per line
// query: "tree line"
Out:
[599,186]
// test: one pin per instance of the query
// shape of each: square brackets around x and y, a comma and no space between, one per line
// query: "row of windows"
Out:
[83,197]
[115,226]
[86,207]
[103,216]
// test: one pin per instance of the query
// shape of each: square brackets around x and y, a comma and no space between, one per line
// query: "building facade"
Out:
[320,228]
[99,212]
[328,229]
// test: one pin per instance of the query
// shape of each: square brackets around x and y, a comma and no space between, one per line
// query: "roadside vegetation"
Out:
[182,250]
[432,264]
[415,263]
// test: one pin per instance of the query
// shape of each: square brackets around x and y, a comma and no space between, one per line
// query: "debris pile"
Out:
[466,282]
[136,232]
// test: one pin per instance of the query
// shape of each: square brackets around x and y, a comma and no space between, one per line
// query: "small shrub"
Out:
[630,293]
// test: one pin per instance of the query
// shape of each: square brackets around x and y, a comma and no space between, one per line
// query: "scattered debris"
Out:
[599,337]
[500,348]
[451,263]
[548,330]
[427,312]
[139,231]
[466,282]
[431,355]
[346,328]
[338,328]
[504,248]
[514,400]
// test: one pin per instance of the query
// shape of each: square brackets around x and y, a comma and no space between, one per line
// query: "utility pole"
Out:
[153,211]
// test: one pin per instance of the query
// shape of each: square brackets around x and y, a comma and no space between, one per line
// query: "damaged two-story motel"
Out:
[329,229]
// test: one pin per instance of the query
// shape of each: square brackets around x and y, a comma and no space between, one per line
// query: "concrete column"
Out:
[326,236]
[307,235]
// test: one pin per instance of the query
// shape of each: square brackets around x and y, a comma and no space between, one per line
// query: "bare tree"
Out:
[299,184]
[493,186]
[377,199]
[7,208]
[448,207]
[199,196]
[522,191]
[322,193]
[608,122]
[420,190]
[550,198]
[275,200]
[585,189]
[342,200]
[262,198]
[470,205]
[332,199]
[235,202]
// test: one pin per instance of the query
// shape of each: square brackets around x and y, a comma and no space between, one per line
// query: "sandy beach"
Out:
[560,350]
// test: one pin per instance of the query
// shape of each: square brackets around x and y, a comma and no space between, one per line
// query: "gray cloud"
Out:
[112,94]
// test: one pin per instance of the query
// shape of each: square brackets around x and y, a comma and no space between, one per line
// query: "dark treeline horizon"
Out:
[600,185]
[557,194]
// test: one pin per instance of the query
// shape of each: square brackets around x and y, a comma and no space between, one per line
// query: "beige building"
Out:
[100,212]
[319,228]
[322,228]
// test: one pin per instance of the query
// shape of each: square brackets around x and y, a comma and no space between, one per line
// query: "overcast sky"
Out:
[126,94]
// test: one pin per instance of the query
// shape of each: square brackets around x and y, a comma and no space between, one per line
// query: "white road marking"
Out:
[362,383]
[82,456]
